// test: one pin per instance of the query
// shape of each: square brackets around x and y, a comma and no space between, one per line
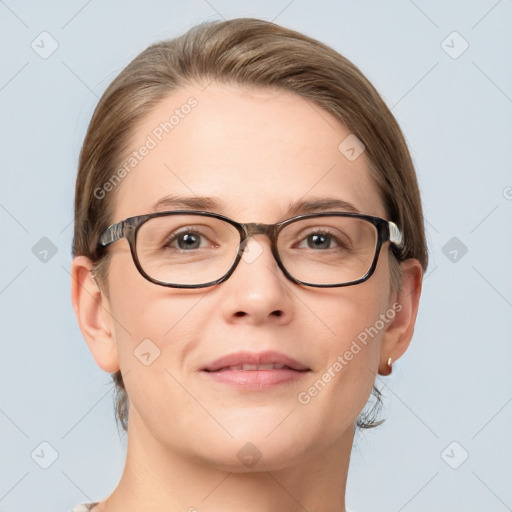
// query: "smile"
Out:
[255,371]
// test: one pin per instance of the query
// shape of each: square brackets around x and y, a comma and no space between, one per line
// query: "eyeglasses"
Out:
[196,249]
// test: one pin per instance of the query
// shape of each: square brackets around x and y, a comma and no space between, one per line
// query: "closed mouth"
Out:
[250,361]
[253,367]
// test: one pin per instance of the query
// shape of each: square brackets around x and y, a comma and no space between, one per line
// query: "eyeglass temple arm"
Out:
[112,234]
[395,235]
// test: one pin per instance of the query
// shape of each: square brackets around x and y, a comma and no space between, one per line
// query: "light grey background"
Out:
[453,385]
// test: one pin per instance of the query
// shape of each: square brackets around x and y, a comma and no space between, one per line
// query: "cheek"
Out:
[148,319]
[142,309]
[347,314]
[355,319]
[156,329]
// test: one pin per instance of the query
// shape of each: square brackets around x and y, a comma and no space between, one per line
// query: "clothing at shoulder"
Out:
[84,507]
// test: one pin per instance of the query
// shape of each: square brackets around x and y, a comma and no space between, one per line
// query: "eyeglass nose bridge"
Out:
[255,228]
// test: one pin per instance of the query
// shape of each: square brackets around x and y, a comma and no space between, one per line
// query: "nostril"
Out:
[277,312]
[240,313]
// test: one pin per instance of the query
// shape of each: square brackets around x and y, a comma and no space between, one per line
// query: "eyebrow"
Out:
[321,204]
[215,205]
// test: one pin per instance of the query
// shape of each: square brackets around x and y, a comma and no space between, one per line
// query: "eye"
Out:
[320,240]
[186,240]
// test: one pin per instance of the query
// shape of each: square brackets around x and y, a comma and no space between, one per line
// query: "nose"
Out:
[257,292]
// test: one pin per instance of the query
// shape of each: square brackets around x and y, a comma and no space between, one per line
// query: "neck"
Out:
[158,478]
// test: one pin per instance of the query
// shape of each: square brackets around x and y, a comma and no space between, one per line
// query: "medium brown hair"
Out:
[254,53]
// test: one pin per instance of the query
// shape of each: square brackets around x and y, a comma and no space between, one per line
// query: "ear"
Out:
[92,310]
[398,334]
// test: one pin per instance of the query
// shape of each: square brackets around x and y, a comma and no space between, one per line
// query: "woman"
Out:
[248,256]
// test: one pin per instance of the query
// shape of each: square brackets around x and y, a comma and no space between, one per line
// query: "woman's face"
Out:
[255,153]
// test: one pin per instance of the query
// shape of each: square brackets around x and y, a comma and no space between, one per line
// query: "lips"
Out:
[252,367]
[253,372]
[249,361]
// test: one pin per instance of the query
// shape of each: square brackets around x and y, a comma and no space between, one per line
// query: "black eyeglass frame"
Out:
[128,228]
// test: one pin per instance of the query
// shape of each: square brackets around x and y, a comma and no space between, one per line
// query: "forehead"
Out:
[256,151]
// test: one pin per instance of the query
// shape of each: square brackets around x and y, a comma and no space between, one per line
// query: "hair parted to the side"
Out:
[254,53]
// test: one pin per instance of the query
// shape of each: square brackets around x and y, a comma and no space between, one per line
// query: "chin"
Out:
[249,457]
[256,448]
